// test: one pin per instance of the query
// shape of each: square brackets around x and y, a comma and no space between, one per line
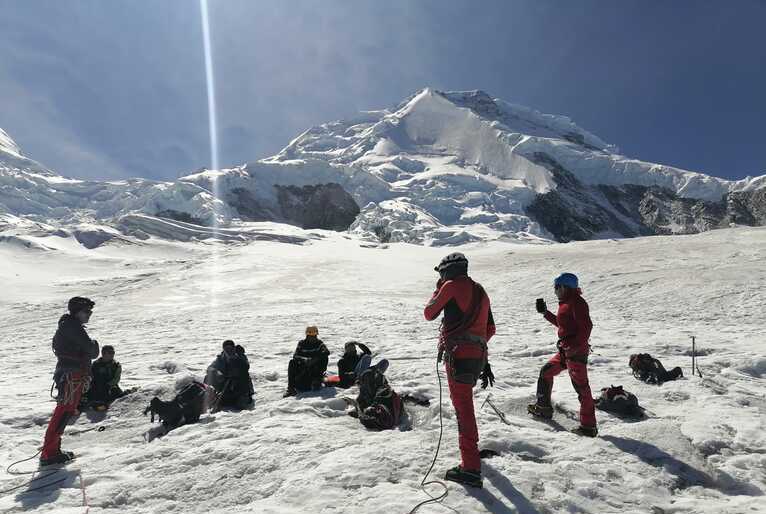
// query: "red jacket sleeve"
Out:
[551,317]
[439,300]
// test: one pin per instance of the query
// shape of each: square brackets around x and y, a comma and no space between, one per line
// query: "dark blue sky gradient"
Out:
[115,89]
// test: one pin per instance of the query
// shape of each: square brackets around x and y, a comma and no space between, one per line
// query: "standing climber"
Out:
[466,328]
[574,328]
[74,351]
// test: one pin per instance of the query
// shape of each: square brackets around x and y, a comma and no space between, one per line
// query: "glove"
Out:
[487,377]
[540,306]
[240,349]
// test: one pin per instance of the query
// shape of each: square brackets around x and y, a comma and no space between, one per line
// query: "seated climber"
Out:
[308,365]
[229,375]
[347,363]
[377,406]
[104,388]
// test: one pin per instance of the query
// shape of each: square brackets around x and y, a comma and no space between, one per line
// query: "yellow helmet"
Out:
[312,331]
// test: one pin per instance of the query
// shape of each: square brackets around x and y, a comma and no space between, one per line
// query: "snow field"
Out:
[166,307]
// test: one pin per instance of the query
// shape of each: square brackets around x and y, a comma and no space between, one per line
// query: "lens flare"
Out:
[214,164]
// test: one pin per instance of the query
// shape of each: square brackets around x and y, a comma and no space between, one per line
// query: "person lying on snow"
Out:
[347,364]
[308,366]
[229,375]
[74,350]
[650,370]
[466,328]
[574,328]
[105,387]
[193,399]
[377,406]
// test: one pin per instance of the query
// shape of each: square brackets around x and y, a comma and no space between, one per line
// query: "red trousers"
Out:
[71,390]
[578,373]
[468,438]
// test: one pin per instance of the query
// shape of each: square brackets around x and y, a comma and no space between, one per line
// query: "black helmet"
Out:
[79,303]
[453,259]
[107,348]
[228,342]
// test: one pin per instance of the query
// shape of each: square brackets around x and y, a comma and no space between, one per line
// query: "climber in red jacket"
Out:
[466,327]
[574,328]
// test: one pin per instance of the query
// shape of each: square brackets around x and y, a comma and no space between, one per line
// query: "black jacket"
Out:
[233,369]
[72,346]
[311,348]
[106,374]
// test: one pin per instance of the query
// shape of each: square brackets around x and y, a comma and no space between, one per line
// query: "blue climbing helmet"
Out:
[567,280]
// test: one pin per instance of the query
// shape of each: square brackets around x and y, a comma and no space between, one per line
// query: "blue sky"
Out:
[117,88]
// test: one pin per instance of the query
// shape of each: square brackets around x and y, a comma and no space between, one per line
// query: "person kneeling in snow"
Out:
[308,365]
[104,388]
[229,375]
[193,399]
[574,328]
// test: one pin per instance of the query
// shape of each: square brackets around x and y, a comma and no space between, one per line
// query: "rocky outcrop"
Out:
[248,207]
[747,207]
[179,216]
[323,206]
[577,212]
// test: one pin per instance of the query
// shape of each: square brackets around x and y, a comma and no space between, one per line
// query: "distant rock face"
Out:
[578,212]
[747,207]
[323,206]
[179,216]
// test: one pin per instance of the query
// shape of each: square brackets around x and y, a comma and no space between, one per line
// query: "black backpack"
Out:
[616,399]
[186,407]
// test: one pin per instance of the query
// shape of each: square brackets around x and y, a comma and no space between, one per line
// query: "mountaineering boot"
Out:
[59,458]
[290,392]
[465,477]
[585,431]
[540,411]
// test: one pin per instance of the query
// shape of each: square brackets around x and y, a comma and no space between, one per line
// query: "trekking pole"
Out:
[694,350]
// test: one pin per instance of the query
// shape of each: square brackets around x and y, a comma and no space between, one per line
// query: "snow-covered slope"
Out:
[167,307]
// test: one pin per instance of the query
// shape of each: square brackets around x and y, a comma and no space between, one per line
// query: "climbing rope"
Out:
[11,471]
[423,483]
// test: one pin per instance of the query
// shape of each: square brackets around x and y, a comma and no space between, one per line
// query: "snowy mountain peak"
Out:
[8,145]
[440,168]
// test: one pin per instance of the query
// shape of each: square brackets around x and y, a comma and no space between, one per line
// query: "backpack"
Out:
[616,399]
[379,407]
[186,407]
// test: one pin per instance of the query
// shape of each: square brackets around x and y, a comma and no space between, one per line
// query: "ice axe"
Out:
[219,396]
[497,411]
